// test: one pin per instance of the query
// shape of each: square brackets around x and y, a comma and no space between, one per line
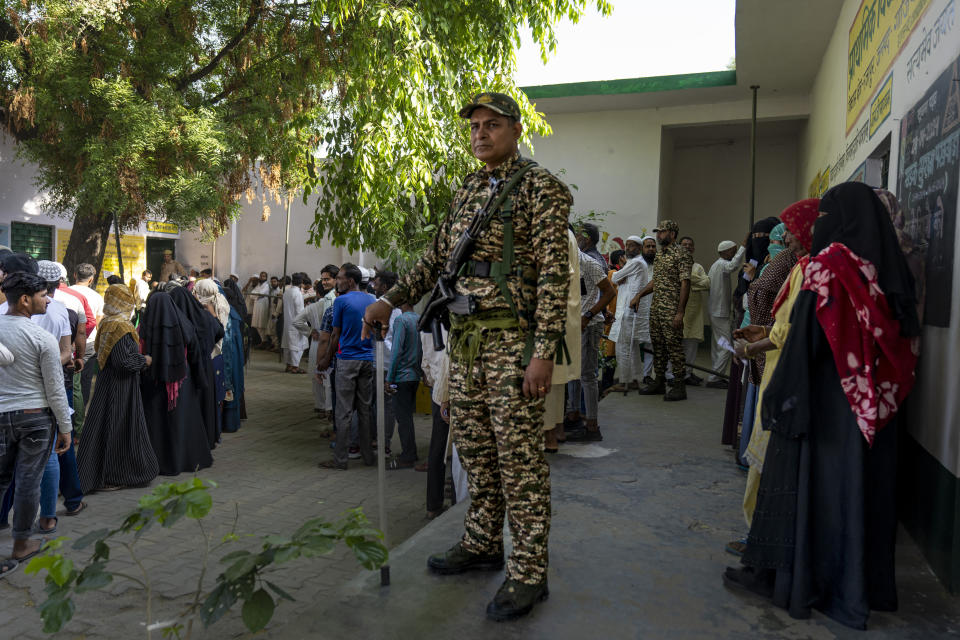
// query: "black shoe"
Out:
[459,560]
[693,380]
[332,464]
[719,383]
[585,435]
[676,392]
[647,380]
[758,581]
[515,599]
[573,425]
[655,388]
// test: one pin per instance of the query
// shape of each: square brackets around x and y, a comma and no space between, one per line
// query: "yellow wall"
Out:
[133,249]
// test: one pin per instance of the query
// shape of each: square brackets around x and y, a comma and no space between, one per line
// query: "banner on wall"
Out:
[133,249]
[927,187]
[879,32]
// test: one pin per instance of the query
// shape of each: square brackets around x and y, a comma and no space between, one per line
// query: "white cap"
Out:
[636,239]
[726,244]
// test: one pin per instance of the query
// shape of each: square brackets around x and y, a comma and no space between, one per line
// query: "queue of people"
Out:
[121,380]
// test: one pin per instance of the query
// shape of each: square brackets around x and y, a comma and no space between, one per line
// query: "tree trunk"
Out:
[88,243]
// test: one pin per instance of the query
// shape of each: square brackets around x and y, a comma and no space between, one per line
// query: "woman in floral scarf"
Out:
[824,528]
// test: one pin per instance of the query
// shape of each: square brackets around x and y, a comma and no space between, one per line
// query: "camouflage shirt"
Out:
[670,268]
[541,206]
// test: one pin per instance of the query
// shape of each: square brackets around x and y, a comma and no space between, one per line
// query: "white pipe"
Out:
[233,247]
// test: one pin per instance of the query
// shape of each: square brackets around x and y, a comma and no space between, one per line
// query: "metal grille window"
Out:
[33,239]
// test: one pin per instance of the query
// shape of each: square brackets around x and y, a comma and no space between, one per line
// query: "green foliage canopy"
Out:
[176,108]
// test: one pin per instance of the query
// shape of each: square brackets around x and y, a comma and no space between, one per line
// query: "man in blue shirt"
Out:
[355,365]
[404,372]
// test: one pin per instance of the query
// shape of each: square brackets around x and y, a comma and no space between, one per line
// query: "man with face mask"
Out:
[631,327]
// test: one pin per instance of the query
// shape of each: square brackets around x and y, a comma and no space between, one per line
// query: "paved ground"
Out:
[640,521]
[268,473]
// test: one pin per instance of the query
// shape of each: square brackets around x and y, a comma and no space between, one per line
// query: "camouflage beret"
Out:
[667,225]
[499,102]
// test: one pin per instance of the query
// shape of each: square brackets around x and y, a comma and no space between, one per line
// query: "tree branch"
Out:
[256,10]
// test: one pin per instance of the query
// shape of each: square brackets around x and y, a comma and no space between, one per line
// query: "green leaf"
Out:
[85,541]
[56,612]
[242,566]
[101,551]
[93,577]
[285,554]
[370,553]
[39,563]
[233,555]
[257,610]
[319,545]
[217,603]
[280,592]
[198,503]
[61,570]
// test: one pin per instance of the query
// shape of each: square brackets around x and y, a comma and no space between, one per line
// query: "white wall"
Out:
[614,157]
[936,423]
[710,188]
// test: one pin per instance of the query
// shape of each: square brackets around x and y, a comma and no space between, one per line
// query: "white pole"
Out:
[233,247]
[381,451]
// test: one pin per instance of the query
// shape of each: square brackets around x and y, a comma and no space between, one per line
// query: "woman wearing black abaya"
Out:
[116,451]
[823,532]
[757,244]
[170,398]
[208,331]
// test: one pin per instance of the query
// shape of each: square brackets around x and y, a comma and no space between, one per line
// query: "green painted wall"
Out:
[633,85]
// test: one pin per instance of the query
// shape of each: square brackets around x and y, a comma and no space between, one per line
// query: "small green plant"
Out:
[245,576]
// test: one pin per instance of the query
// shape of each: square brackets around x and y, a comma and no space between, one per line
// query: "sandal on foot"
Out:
[45,532]
[423,466]
[68,512]
[395,464]
[8,566]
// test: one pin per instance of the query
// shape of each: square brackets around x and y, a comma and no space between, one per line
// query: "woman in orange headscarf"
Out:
[116,450]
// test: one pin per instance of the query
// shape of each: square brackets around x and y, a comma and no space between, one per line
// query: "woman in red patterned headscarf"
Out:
[824,528]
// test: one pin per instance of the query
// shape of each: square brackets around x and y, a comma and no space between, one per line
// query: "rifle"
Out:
[437,310]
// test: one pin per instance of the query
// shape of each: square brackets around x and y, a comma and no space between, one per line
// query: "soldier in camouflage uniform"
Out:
[502,354]
[671,289]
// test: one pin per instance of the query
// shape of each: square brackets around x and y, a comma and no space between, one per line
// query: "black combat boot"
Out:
[678,391]
[459,560]
[516,599]
[655,388]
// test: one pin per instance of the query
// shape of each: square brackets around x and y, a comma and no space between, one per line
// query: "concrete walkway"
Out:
[640,522]
[639,525]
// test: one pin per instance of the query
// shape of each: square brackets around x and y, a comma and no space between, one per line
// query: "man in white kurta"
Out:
[261,306]
[307,323]
[631,328]
[729,262]
[293,343]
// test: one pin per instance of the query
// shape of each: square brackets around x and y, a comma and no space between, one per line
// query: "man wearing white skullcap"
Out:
[729,262]
[631,328]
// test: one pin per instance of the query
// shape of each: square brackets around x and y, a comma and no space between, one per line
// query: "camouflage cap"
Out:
[667,225]
[499,102]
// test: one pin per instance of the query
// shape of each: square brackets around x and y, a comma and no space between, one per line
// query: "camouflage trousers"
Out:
[667,345]
[499,438]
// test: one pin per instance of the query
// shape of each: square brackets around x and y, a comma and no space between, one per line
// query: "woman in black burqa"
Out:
[757,242]
[208,331]
[824,529]
[169,387]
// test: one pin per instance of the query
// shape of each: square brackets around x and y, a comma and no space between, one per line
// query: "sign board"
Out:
[133,249]
[155,226]
[927,186]
[879,32]
[880,107]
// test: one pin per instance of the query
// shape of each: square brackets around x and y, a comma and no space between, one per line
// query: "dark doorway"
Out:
[155,249]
